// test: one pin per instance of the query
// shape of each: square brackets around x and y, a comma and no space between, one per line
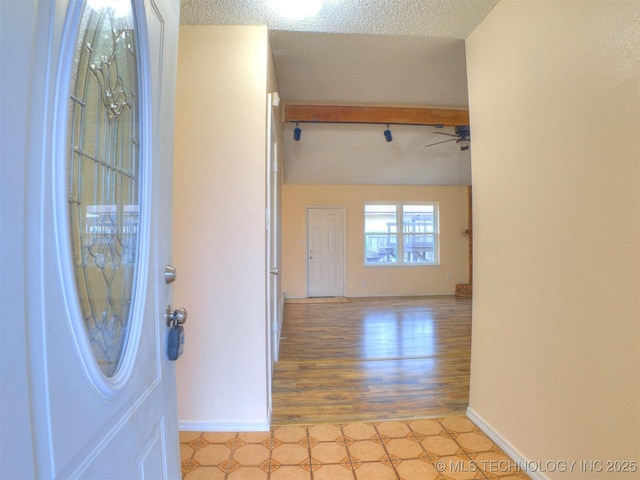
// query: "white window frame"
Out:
[400,236]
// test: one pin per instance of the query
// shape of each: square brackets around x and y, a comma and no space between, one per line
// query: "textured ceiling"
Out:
[380,52]
[426,18]
[408,52]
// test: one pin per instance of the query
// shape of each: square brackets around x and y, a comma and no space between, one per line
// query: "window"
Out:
[416,243]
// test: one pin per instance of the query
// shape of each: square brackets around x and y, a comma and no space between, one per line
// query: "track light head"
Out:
[297,133]
[387,135]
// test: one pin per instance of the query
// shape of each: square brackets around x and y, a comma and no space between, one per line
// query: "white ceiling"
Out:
[358,154]
[373,69]
[379,52]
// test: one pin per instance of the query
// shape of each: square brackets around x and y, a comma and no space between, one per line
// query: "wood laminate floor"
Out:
[372,359]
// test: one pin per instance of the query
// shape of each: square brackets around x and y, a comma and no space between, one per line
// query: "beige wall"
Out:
[555,108]
[410,280]
[224,74]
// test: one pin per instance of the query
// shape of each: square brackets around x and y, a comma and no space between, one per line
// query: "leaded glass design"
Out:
[103,176]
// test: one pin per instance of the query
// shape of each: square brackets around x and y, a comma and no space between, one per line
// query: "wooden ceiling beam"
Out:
[371,114]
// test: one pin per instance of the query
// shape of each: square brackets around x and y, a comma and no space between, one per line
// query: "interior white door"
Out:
[325,252]
[274,310]
[98,237]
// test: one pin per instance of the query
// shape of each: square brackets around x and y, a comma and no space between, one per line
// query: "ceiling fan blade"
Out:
[447,134]
[438,143]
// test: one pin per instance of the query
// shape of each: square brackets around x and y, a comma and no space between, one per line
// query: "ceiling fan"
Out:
[462,137]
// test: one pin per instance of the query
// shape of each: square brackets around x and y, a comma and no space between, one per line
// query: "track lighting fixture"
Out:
[297,132]
[387,134]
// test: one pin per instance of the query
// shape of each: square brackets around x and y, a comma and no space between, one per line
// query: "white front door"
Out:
[96,214]
[325,247]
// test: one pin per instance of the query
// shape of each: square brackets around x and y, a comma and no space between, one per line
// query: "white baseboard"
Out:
[499,440]
[391,295]
[223,427]
[384,295]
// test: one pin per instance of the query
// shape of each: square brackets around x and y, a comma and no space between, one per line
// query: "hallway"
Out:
[354,385]
[368,359]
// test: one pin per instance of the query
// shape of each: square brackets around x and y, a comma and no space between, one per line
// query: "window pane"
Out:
[418,218]
[381,248]
[380,218]
[418,228]
[419,248]
[381,234]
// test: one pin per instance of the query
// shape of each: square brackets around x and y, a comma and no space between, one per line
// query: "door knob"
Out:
[176,317]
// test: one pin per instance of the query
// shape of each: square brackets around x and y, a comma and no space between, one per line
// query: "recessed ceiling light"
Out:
[298,8]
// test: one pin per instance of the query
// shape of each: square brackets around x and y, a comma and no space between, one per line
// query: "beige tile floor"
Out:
[441,448]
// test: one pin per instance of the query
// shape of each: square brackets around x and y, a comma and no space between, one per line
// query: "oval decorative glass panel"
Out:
[103,176]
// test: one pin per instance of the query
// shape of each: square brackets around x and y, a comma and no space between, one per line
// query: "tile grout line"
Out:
[230,461]
[193,454]
[384,446]
[346,445]
[270,453]
[464,450]
[306,428]
[433,462]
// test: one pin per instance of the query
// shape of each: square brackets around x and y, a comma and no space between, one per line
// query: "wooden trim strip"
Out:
[369,114]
